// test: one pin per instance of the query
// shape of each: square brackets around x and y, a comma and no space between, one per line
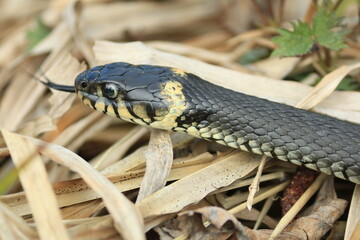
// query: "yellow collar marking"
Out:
[172,92]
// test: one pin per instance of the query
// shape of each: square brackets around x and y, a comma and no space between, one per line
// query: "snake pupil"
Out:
[83,84]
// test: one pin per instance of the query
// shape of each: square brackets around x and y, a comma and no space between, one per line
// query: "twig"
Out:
[254,187]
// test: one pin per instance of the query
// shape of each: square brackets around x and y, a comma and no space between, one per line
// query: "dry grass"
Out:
[56,194]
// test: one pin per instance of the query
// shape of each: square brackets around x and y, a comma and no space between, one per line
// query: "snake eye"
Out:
[83,84]
[110,91]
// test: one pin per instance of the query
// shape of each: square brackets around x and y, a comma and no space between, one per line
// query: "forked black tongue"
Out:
[53,85]
[59,87]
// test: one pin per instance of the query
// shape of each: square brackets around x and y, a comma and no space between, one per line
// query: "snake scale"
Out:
[171,99]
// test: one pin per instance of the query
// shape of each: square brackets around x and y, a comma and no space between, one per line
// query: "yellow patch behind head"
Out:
[172,92]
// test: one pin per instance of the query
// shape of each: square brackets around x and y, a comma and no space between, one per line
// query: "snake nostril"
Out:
[83,84]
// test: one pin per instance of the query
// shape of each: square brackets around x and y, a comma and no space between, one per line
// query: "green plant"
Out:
[38,33]
[325,33]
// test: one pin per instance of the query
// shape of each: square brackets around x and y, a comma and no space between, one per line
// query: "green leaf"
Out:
[253,55]
[34,36]
[325,31]
[323,25]
[348,84]
[293,43]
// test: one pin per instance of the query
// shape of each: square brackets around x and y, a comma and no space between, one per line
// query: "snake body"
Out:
[167,98]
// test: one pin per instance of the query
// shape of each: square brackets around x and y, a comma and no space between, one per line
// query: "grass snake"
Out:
[171,99]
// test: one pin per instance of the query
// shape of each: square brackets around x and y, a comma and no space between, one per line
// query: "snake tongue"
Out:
[59,87]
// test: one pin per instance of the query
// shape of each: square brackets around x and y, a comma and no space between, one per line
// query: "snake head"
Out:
[143,94]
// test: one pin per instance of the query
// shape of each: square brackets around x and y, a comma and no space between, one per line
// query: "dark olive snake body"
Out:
[171,99]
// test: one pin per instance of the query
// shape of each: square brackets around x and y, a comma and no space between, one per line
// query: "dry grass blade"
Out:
[68,135]
[11,222]
[77,191]
[222,59]
[37,187]
[354,214]
[277,68]
[72,14]
[356,232]
[261,197]
[264,210]
[86,133]
[248,181]
[17,106]
[159,158]
[260,216]
[129,162]
[196,186]
[126,217]
[326,86]
[137,18]
[118,149]
[61,101]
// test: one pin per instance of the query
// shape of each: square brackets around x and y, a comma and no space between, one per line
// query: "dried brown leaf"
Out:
[159,159]
[225,224]
[317,224]
[313,226]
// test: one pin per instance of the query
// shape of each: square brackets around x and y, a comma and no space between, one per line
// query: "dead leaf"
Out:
[223,225]
[159,159]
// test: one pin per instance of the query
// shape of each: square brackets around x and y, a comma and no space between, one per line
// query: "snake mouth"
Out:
[126,110]
[89,99]
[101,104]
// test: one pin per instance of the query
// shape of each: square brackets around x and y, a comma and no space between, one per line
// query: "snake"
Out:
[171,99]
